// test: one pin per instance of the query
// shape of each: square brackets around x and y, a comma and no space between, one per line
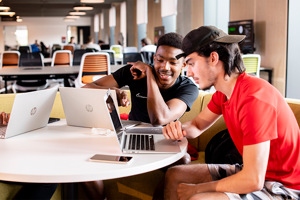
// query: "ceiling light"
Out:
[83,7]
[77,13]
[19,20]
[69,20]
[91,1]
[7,13]
[4,7]
[73,17]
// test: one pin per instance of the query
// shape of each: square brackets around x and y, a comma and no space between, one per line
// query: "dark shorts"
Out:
[271,191]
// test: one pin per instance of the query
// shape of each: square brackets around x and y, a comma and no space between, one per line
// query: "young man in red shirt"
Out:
[260,122]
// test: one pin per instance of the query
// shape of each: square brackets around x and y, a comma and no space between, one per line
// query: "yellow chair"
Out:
[252,63]
[93,66]
[118,50]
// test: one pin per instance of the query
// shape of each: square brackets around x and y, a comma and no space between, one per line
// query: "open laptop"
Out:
[137,142]
[30,111]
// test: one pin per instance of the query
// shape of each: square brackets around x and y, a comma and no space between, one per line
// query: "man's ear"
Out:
[183,65]
[214,58]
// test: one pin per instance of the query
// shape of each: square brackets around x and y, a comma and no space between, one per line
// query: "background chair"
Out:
[70,47]
[93,66]
[24,49]
[54,48]
[148,57]
[130,50]
[118,50]
[62,58]
[105,47]
[28,60]
[132,57]
[9,59]
[111,56]
[252,63]
[77,55]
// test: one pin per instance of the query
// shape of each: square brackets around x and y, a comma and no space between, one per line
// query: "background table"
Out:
[38,72]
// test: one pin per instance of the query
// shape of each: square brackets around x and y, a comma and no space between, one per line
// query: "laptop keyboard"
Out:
[141,142]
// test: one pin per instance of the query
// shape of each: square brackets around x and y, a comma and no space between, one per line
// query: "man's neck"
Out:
[226,84]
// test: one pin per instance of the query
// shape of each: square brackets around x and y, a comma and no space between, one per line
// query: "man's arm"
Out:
[4,118]
[251,178]
[161,112]
[193,128]
[109,82]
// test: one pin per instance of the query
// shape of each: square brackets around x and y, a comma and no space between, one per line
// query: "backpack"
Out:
[221,150]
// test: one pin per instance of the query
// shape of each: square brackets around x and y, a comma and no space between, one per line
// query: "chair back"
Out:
[132,57]
[252,63]
[148,57]
[61,58]
[105,47]
[77,55]
[10,59]
[130,50]
[93,66]
[111,56]
[31,59]
[69,47]
[24,49]
[118,50]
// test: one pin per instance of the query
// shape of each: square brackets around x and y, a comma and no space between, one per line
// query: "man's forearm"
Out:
[157,107]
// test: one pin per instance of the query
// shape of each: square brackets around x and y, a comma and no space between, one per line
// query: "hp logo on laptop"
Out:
[33,111]
[89,108]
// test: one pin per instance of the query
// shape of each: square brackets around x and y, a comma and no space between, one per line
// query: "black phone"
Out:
[111,158]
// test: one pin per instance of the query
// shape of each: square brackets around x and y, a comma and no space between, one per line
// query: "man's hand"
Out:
[4,118]
[122,98]
[139,69]
[186,191]
[174,131]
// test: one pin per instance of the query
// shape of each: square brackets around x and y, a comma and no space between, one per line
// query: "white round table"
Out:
[59,154]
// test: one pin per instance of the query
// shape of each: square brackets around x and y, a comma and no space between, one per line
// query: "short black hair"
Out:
[170,39]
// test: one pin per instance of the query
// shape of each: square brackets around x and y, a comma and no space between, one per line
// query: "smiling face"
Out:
[167,67]
[200,70]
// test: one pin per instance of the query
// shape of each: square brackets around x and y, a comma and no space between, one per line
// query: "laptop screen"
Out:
[114,117]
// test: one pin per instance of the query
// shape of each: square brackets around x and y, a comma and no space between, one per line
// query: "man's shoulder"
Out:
[186,81]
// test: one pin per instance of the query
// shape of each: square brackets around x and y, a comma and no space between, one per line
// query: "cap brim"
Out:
[231,39]
[180,55]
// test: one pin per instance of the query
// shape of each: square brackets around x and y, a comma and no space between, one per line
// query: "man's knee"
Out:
[173,172]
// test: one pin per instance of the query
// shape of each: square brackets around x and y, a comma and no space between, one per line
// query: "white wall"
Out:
[293,70]
[46,29]
[216,13]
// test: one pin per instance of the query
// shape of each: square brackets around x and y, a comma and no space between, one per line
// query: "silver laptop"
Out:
[85,107]
[30,111]
[137,142]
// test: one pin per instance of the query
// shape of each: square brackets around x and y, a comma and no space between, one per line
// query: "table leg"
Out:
[270,76]
[66,81]
[69,191]
[5,85]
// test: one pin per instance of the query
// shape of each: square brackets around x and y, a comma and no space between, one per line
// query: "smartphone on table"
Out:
[111,158]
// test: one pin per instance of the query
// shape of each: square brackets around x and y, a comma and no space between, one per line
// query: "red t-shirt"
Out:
[257,112]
